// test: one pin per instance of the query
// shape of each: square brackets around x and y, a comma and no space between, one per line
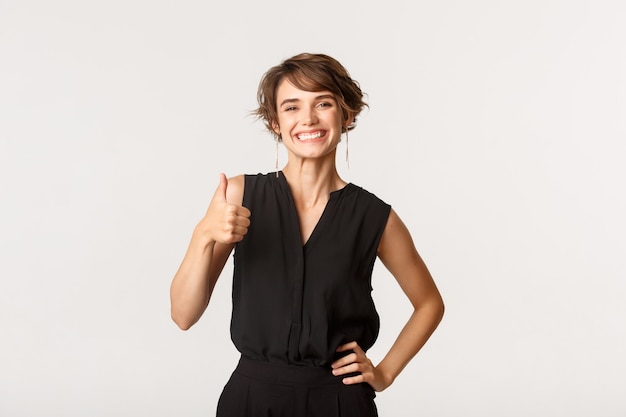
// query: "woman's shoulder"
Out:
[245,178]
[367,195]
[235,188]
[263,179]
[242,185]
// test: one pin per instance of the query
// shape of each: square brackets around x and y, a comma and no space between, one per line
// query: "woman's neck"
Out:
[312,181]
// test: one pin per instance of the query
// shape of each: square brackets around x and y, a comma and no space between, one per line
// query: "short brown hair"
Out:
[310,72]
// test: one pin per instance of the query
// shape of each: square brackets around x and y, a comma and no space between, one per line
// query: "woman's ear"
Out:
[346,123]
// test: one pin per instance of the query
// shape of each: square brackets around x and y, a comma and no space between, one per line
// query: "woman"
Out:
[305,245]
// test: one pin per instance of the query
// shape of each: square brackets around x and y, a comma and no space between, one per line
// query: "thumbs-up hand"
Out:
[224,222]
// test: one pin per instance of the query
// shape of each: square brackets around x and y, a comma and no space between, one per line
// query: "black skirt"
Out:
[261,389]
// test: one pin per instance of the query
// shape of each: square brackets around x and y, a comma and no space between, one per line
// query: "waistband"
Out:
[283,373]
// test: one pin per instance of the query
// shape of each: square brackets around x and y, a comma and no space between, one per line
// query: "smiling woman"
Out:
[313,119]
[305,245]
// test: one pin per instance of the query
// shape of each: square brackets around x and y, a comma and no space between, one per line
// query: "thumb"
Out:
[221,189]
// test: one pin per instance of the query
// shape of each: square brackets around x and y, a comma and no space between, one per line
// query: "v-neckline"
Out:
[322,219]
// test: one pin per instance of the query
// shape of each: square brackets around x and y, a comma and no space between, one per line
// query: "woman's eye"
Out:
[325,104]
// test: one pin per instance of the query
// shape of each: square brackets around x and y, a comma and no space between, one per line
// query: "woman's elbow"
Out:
[184,323]
[441,309]
[436,309]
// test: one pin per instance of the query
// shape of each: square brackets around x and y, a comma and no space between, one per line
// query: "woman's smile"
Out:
[311,136]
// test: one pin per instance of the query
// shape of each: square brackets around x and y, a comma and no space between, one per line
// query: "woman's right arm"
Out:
[224,224]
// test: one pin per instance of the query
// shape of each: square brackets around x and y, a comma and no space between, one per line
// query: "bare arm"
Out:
[225,223]
[398,254]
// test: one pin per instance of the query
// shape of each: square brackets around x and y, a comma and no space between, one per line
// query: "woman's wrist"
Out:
[202,239]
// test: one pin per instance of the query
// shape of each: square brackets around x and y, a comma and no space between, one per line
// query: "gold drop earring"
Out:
[347,159]
[277,138]
[276,141]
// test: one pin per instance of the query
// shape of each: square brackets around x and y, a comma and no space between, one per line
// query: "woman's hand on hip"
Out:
[357,361]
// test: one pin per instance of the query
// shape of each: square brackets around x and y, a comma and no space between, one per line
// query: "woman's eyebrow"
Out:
[289,100]
[325,97]
[295,100]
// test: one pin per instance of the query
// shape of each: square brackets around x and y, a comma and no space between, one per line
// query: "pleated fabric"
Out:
[260,389]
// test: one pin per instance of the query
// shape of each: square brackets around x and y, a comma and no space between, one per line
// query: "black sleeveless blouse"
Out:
[293,303]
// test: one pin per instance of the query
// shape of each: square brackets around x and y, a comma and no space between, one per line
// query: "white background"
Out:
[496,130]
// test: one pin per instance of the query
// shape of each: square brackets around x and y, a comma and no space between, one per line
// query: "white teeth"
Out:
[309,136]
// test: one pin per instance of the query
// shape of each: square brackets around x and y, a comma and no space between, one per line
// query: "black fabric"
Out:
[262,389]
[293,303]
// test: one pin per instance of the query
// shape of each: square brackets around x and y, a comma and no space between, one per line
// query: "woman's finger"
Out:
[346,360]
[350,368]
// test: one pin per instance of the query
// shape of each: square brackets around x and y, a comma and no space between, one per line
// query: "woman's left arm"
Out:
[397,252]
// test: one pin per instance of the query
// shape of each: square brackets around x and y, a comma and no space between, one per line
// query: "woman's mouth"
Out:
[310,135]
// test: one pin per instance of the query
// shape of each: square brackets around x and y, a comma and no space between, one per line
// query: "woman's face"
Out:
[309,122]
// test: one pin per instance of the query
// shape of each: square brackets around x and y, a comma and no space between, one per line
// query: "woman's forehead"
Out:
[286,88]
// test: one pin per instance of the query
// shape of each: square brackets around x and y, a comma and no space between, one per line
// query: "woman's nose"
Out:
[309,117]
